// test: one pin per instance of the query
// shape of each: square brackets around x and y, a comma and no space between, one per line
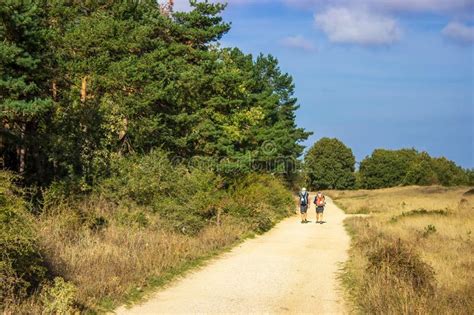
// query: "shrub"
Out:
[418,212]
[21,265]
[398,261]
[262,200]
[185,198]
[429,229]
[59,298]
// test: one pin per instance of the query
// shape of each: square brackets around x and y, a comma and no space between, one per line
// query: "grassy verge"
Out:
[413,255]
[144,225]
[155,282]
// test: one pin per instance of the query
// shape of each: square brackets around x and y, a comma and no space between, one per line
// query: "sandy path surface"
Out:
[292,269]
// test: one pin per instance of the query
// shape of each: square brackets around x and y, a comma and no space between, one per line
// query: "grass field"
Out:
[412,250]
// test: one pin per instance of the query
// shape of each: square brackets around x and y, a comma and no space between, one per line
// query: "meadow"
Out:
[412,250]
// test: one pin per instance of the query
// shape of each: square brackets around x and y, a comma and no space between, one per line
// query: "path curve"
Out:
[291,269]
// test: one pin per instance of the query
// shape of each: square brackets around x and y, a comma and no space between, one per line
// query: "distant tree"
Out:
[470,176]
[358,180]
[386,168]
[420,171]
[448,173]
[329,164]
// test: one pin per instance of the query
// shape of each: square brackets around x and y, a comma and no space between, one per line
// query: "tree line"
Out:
[82,81]
[330,164]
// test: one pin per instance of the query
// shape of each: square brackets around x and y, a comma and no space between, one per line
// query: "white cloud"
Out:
[298,42]
[459,32]
[357,26]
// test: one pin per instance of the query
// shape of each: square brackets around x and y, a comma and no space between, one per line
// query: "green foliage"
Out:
[470,176]
[385,168]
[21,265]
[187,198]
[24,99]
[263,200]
[420,171]
[388,168]
[59,298]
[450,174]
[124,78]
[330,164]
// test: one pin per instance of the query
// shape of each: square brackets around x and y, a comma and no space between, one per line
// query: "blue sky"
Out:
[373,73]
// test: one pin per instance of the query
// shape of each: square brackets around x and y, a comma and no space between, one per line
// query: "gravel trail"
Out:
[291,269]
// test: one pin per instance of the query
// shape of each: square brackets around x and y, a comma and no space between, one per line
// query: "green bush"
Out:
[59,298]
[21,265]
[189,199]
[185,198]
[261,199]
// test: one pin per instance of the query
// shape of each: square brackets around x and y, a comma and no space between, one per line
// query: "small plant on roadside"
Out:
[429,229]
[59,298]
[362,211]
[21,264]
[418,212]
[399,261]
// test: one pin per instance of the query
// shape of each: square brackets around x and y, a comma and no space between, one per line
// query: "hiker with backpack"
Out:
[304,202]
[320,202]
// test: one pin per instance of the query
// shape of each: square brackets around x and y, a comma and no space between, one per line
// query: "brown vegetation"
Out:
[413,253]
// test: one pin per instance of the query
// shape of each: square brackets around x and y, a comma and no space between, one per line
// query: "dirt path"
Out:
[291,269]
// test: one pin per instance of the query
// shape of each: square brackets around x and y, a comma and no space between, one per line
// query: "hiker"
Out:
[304,201]
[320,202]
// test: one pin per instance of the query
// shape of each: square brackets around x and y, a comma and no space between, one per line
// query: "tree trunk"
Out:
[123,132]
[84,89]
[21,150]
[5,126]
[54,89]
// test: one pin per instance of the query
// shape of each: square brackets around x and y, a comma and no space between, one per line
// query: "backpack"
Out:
[303,198]
[319,201]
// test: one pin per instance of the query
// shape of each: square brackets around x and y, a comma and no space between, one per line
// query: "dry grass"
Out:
[433,227]
[121,262]
[118,260]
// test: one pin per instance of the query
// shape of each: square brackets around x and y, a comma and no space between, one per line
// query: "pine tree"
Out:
[24,94]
